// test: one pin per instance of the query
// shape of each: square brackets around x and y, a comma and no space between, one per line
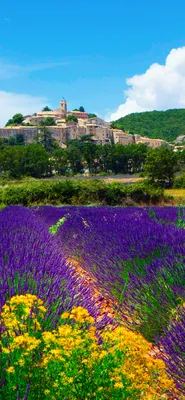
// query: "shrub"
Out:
[179,182]
[69,362]
[79,192]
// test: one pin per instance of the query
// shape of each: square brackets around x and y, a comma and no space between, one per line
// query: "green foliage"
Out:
[75,159]
[9,122]
[161,165]
[17,119]
[80,193]
[71,118]
[86,138]
[17,161]
[81,109]
[91,115]
[179,182]
[12,161]
[45,138]
[48,121]
[19,139]
[46,108]
[180,215]
[36,161]
[59,161]
[54,228]
[68,362]
[12,141]
[165,125]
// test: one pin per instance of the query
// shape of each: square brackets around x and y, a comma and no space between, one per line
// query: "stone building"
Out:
[78,114]
[29,132]
[153,143]
[63,131]
[121,137]
[57,114]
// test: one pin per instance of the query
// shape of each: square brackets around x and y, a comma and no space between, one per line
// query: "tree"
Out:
[46,108]
[75,159]
[91,115]
[86,138]
[105,157]
[3,143]
[81,109]
[12,160]
[9,122]
[44,137]
[12,141]
[90,156]
[48,121]
[71,118]
[161,165]
[60,161]
[17,119]
[37,162]
[19,138]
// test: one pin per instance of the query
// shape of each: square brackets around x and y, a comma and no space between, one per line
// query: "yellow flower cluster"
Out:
[25,342]
[145,372]
[17,310]
[76,343]
[79,314]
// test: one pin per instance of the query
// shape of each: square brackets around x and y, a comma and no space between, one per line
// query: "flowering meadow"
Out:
[56,343]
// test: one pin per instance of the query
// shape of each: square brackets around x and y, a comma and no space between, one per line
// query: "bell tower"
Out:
[63,107]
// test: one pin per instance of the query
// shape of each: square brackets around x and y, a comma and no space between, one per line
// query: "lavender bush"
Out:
[135,256]
[173,343]
[135,259]
[31,261]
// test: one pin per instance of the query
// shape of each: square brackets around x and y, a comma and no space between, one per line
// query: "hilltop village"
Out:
[69,125]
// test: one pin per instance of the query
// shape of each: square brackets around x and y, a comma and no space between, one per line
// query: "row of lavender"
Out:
[127,251]
[138,258]
[31,261]
[135,259]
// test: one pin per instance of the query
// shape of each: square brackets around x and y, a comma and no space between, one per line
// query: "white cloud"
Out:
[13,103]
[161,87]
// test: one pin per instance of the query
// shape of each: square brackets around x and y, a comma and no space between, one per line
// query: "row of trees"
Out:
[45,158]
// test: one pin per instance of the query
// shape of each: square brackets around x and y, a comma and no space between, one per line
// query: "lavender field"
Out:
[134,257]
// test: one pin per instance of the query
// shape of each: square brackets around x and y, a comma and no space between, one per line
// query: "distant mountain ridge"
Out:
[167,125]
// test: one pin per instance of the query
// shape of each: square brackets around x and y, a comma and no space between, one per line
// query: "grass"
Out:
[176,195]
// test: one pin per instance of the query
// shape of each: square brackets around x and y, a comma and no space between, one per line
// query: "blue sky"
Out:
[84,51]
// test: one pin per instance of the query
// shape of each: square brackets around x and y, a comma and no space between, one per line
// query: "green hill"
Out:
[165,125]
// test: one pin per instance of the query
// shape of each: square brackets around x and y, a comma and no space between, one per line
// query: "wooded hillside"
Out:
[165,125]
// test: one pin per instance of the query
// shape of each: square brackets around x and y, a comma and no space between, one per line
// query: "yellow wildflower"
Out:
[5,350]
[11,370]
[118,385]
[65,315]
[21,362]
[42,308]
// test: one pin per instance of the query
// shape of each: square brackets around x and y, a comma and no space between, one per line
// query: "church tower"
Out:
[63,107]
